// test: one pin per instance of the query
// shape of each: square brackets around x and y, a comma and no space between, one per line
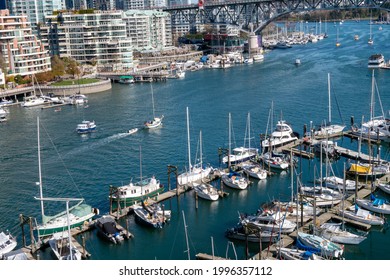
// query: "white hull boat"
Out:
[323,196]
[384,187]
[270,222]
[334,233]
[256,236]
[206,191]
[7,243]
[320,245]
[235,181]
[296,254]
[283,134]
[59,244]
[240,154]
[361,215]
[255,171]
[376,205]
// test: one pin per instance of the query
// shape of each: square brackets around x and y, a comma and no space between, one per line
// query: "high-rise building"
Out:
[2,4]
[148,29]
[36,10]
[23,53]
[98,37]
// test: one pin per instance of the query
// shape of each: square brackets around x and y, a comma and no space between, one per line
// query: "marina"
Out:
[106,157]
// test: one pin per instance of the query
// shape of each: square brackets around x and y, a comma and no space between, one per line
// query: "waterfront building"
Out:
[98,37]
[23,53]
[2,78]
[148,29]
[36,10]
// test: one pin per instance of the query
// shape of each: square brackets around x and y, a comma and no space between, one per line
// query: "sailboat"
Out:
[239,154]
[337,38]
[370,40]
[329,129]
[34,100]
[156,121]
[135,192]
[77,216]
[61,242]
[198,171]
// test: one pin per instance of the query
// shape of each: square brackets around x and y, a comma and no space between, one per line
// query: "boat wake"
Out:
[97,144]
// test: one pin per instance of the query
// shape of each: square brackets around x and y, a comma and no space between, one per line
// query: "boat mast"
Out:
[151,87]
[372,96]
[188,141]
[249,130]
[69,236]
[329,105]
[200,149]
[140,164]
[185,231]
[40,173]
[230,132]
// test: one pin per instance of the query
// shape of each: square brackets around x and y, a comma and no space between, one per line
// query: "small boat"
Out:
[156,121]
[356,37]
[274,161]
[157,208]
[334,233]
[368,170]
[235,180]
[153,220]
[7,243]
[206,191]
[258,57]
[296,254]
[297,61]
[255,171]
[320,245]
[32,101]
[269,221]
[126,80]
[5,101]
[377,205]
[326,147]
[239,232]
[337,183]
[361,215]
[248,60]
[131,131]
[109,229]
[323,197]
[63,248]
[86,127]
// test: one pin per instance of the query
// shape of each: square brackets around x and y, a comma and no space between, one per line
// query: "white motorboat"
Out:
[326,147]
[240,154]
[3,114]
[7,243]
[59,244]
[33,100]
[86,127]
[376,61]
[206,191]
[255,171]
[320,245]
[361,215]
[258,57]
[235,180]
[376,205]
[126,80]
[282,135]
[132,131]
[334,233]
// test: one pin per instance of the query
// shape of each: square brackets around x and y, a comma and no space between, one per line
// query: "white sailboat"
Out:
[197,171]
[239,154]
[329,129]
[361,215]
[206,191]
[156,121]
[34,100]
[7,243]
[78,214]
[370,40]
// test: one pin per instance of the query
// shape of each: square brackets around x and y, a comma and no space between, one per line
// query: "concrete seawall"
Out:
[83,89]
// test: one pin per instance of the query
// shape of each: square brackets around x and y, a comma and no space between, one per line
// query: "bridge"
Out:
[255,15]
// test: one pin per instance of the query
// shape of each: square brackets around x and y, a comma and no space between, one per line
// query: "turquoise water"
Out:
[85,166]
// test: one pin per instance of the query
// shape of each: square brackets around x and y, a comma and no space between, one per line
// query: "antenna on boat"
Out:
[186,233]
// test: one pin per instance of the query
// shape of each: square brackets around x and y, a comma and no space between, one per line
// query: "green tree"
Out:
[72,67]
[57,66]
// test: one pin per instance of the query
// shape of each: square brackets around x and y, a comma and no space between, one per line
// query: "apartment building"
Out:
[148,29]
[90,36]
[23,53]
[36,10]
